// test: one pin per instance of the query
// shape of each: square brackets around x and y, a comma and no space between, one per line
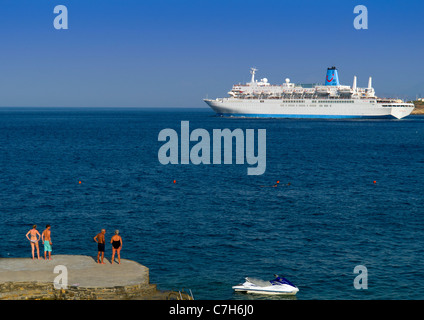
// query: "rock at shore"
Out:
[24,278]
[419,107]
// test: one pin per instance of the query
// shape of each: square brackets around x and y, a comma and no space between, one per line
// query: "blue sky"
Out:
[128,53]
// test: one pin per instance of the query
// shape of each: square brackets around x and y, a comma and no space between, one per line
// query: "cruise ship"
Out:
[289,100]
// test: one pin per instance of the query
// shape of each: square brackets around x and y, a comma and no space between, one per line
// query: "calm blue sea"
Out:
[216,224]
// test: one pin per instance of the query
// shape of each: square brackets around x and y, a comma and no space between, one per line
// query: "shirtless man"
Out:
[100,239]
[47,241]
[35,237]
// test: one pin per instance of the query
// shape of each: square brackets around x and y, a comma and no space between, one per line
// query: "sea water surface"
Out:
[350,193]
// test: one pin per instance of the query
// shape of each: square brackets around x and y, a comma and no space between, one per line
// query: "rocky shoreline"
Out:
[419,107]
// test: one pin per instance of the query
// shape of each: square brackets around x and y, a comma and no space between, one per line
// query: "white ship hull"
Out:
[309,108]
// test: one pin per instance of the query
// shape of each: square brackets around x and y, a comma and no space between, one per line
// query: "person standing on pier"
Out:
[47,241]
[35,237]
[116,242]
[100,239]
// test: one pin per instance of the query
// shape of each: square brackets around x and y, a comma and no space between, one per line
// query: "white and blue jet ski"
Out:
[279,285]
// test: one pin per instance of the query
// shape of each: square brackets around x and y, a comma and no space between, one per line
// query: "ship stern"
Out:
[402,110]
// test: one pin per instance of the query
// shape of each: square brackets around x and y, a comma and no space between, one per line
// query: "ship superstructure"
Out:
[331,100]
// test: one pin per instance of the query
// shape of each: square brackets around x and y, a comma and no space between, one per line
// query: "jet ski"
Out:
[279,285]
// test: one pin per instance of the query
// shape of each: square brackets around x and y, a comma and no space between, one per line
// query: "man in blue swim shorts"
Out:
[47,241]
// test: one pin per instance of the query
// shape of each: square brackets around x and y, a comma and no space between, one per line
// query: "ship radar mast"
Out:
[252,72]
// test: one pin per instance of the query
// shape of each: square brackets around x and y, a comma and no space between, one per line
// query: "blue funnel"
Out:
[332,78]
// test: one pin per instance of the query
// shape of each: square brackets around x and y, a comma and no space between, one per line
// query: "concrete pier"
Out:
[24,278]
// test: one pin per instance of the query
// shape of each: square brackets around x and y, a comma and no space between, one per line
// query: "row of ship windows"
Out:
[319,101]
[305,105]
[334,101]
[394,105]
[326,105]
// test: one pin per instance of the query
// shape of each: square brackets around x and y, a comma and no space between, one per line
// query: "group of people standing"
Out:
[34,237]
[116,242]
